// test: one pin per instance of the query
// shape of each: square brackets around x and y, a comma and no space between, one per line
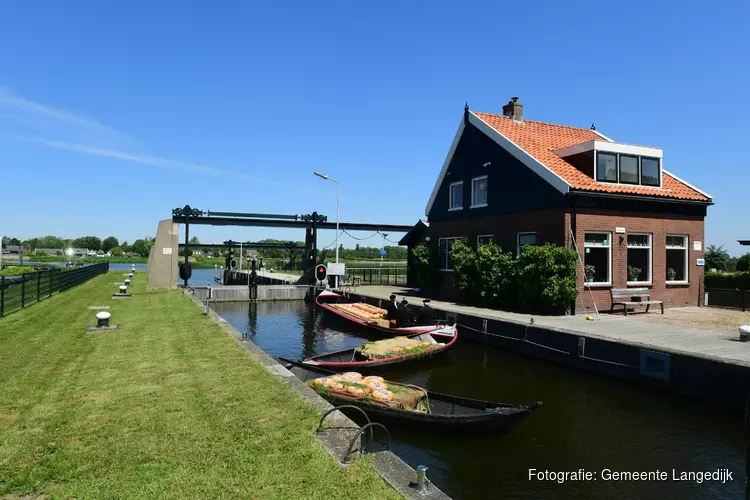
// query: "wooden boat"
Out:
[441,339]
[365,314]
[442,411]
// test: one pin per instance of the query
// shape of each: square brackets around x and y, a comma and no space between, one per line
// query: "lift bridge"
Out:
[311,223]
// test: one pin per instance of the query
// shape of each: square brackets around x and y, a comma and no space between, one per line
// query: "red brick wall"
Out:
[548,224]
[659,225]
[555,226]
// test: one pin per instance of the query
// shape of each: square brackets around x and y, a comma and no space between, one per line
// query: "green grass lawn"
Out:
[167,406]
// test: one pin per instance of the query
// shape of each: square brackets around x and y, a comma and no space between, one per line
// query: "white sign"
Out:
[336,269]
[166,250]
[697,246]
[701,262]
[620,230]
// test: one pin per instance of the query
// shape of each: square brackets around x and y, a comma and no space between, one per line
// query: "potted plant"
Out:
[633,273]
[589,271]
[671,274]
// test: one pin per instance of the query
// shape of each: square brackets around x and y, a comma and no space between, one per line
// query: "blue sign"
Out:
[382,253]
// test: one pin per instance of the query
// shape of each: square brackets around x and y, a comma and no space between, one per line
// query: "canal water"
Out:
[587,422]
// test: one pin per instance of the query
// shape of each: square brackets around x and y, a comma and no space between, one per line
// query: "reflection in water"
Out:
[586,422]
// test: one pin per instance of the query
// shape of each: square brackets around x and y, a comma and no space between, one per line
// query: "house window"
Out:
[629,169]
[524,239]
[479,192]
[677,259]
[597,258]
[456,195]
[606,167]
[484,239]
[445,245]
[639,258]
[650,174]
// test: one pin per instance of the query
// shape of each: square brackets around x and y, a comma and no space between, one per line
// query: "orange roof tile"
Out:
[541,139]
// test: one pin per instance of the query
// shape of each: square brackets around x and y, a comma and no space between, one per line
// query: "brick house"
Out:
[518,182]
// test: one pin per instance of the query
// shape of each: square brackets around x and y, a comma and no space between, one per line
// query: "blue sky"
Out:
[111,115]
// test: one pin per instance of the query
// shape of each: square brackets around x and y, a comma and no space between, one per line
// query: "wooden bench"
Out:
[624,297]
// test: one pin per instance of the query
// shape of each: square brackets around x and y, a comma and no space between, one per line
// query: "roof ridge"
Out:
[537,121]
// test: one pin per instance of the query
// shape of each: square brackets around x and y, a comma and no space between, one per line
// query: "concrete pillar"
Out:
[163,258]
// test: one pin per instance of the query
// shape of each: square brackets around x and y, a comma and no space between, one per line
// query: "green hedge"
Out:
[731,281]
[541,279]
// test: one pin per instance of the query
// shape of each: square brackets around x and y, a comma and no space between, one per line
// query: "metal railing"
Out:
[18,292]
[378,275]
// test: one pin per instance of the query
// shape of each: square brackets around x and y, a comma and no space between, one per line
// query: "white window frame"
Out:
[518,240]
[451,208]
[454,238]
[490,236]
[650,249]
[479,205]
[609,259]
[685,248]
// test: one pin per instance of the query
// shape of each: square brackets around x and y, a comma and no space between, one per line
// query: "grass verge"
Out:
[168,406]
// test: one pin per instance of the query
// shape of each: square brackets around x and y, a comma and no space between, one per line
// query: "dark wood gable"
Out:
[512,187]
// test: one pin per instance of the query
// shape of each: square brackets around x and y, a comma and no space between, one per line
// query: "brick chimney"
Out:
[514,110]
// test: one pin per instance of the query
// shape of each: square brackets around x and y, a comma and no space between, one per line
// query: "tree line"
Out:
[111,244]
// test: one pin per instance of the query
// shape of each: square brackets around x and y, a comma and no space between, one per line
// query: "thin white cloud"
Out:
[163,163]
[30,108]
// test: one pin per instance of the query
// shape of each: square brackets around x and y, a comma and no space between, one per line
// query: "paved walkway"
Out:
[716,345]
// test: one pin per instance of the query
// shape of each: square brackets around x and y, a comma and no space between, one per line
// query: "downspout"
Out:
[573,235]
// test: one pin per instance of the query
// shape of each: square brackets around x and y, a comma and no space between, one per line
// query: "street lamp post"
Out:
[336,278]
[380,271]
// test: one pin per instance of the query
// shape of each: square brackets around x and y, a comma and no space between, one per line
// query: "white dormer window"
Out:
[616,162]
[479,192]
[456,196]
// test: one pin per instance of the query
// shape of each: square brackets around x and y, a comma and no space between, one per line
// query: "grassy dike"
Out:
[167,406]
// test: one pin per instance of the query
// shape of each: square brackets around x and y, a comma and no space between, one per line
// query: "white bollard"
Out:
[102,319]
[744,333]
[123,289]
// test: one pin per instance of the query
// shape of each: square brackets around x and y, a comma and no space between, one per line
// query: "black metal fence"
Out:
[727,297]
[17,292]
[378,275]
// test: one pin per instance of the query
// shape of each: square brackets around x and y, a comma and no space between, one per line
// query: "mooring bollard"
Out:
[123,289]
[744,333]
[127,283]
[422,482]
[130,275]
[102,319]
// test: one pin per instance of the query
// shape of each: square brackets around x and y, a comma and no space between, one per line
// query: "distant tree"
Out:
[717,257]
[357,247]
[743,263]
[109,243]
[116,251]
[149,243]
[195,241]
[14,241]
[125,247]
[732,264]
[50,242]
[89,243]
[30,243]
[139,247]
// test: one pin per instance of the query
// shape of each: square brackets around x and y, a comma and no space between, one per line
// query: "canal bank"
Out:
[713,366]
[167,405]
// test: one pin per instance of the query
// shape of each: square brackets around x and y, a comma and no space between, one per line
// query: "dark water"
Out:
[587,422]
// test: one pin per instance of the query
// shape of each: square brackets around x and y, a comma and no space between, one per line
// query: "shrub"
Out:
[547,278]
[498,272]
[467,281]
[743,263]
[732,281]
[426,265]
